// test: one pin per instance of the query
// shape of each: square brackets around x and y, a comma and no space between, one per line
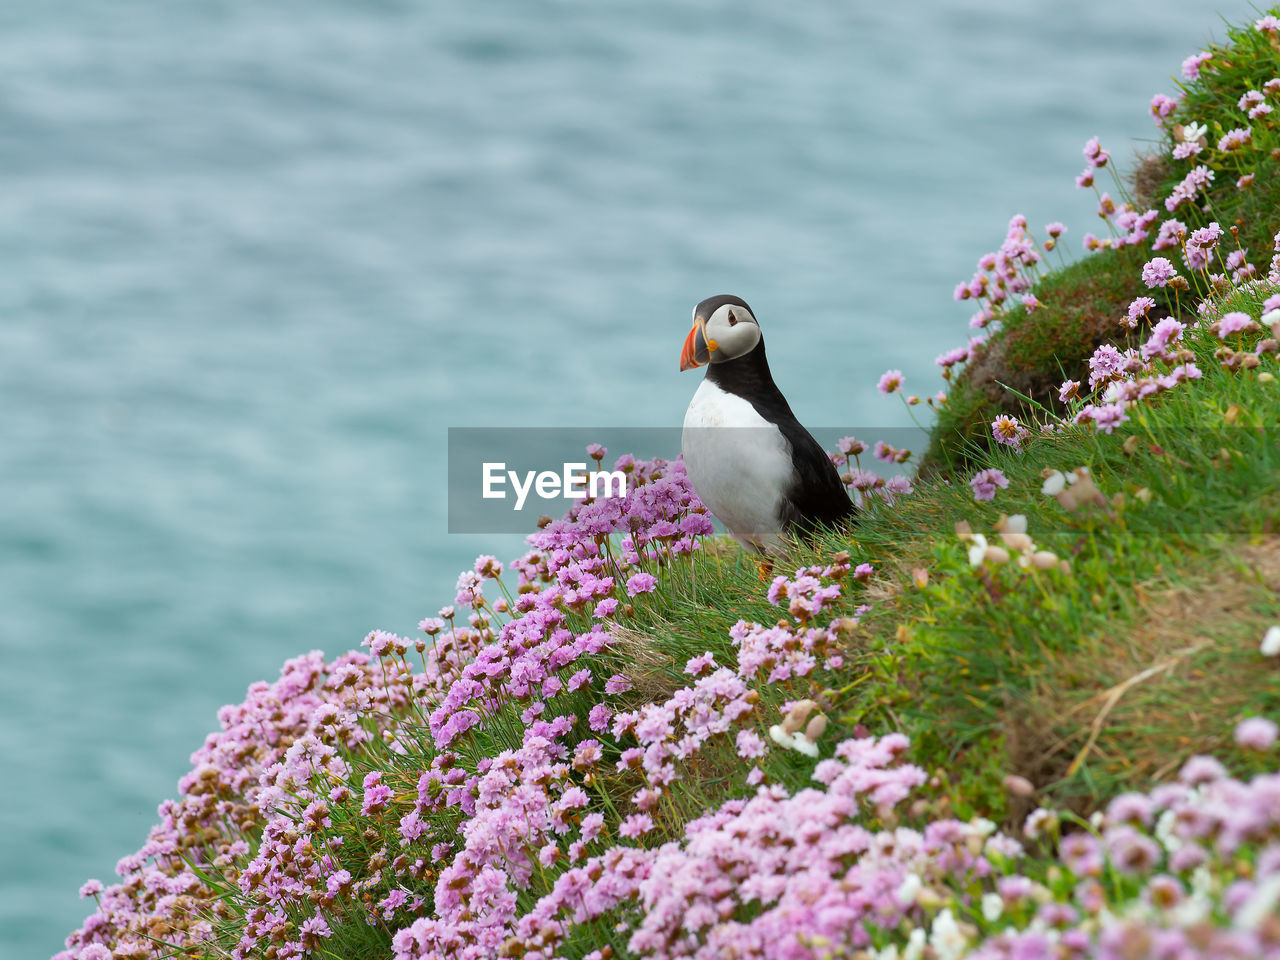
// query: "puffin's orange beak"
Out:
[696,349]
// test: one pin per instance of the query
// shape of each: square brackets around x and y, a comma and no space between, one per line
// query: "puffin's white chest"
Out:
[739,464]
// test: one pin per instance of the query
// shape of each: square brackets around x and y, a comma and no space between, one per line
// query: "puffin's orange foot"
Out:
[766,569]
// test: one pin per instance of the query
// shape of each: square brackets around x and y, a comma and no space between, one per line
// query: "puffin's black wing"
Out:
[816,495]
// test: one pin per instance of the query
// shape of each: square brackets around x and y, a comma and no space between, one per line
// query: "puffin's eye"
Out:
[732,319]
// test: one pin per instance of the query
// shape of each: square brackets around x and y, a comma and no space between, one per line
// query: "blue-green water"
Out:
[256,258]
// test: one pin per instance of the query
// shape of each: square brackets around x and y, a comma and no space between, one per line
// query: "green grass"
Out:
[994,671]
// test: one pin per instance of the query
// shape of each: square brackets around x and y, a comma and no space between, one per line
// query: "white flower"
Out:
[1261,903]
[793,741]
[977,549]
[1054,483]
[1271,317]
[1270,640]
[992,907]
[1164,831]
[1039,821]
[945,937]
[1015,524]
[1193,132]
[915,945]
[981,825]
[804,745]
[908,889]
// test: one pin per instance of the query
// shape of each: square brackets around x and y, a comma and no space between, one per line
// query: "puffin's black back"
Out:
[816,496]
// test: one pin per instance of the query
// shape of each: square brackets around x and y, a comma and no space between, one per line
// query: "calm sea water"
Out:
[256,258]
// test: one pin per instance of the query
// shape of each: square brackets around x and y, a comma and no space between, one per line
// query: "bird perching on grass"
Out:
[758,470]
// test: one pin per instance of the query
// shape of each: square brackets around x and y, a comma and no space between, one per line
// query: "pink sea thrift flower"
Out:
[1007,430]
[986,482]
[1256,733]
[896,487]
[1162,106]
[1107,363]
[1201,769]
[1233,322]
[1157,272]
[1192,64]
[639,583]
[1184,192]
[1200,245]
[617,684]
[749,744]
[1138,309]
[1164,333]
[635,825]
[1109,416]
[1170,235]
[1235,139]
[700,664]
[1094,153]
[487,566]
[376,794]
[599,717]
[890,382]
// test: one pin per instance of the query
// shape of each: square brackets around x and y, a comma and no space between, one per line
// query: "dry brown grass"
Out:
[1144,700]
[1149,173]
[653,676]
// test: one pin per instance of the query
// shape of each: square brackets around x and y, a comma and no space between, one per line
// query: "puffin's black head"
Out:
[724,328]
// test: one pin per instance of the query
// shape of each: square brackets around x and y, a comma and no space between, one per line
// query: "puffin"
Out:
[758,470]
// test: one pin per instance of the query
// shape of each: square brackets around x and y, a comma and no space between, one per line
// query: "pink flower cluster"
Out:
[1010,271]
[762,876]
[1176,851]
[299,754]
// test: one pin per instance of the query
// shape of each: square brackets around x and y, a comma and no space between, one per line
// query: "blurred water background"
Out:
[255,258]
